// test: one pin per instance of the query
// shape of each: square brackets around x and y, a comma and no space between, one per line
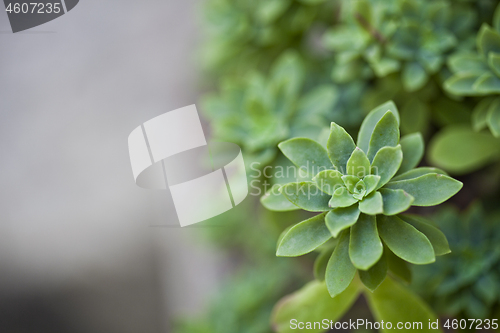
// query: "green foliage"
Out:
[362,202]
[465,285]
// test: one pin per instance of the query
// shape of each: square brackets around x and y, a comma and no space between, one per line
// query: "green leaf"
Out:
[321,262]
[405,241]
[307,196]
[480,113]
[340,147]
[428,190]
[415,173]
[460,150]
[385,134]
[461,84]
[488,40]
[494,63]
[412,146]
[329,180]
[365,247]
[397,266]
[339,219]
[350,182]
[395,201]
[414,76]
[340,271]
[312,304]
[467,63]
[415,116]
[306,154]
[371,182]
[487,84]
[435,236]
[493,118]
[358,164]
[304,237]
[373,277]
[318,102]
[275,201]
[371,120]
[372,204]
[341,198]
[393,303]
[386,163]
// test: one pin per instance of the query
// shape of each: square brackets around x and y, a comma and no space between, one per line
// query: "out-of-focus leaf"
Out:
[312,303]
[480,113]
[397,266]
[414,117]
[414,76]
[321,262]
[393,303]
[488,40]
[461,84]
[493,118]
[460,150]
[304,237]
[373,277]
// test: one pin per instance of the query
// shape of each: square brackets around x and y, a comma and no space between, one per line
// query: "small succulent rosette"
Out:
[360,191]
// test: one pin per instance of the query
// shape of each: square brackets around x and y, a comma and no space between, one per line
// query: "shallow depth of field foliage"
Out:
[390,112]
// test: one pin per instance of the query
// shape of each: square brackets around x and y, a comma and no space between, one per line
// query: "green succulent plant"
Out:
[466,283]
[361,197]
[257,112]
[413,37]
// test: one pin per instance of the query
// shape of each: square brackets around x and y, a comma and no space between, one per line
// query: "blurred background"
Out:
[82,248]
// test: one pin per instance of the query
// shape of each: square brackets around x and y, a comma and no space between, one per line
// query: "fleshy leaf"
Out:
[460,150]
[412,146]
[339,219]
[304,237]
[358,164]
[493,118]
[329,180]
[275,201]
[365,247]
[461,84]
[480,113]
[405,241]
[312,303]
[372,204]
[428,190]
[488,40]
[306,154]
[386,163]
[350,182]
[373,277]
[385,134]
[415,173]
[395,201]
[393,303]
[342,198]
[371,120]
[340,146]
[371,182]
[494,62]
[321,262]
[340,271]
[307,196]
[397,266]
[414,76]
[435,236]
[467,63]
[488,83]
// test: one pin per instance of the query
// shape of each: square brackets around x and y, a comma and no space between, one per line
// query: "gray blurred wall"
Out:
[77,250]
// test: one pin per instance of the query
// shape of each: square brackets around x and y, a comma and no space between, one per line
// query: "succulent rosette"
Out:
[360,191]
